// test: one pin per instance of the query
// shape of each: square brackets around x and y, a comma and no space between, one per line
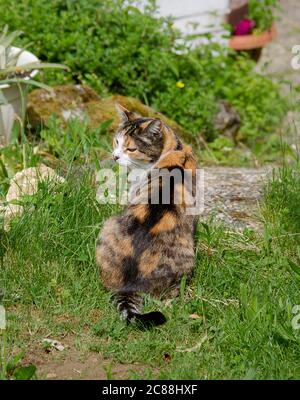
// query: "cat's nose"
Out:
[115,157]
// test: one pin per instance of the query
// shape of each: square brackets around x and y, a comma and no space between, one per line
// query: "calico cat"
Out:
[150,246]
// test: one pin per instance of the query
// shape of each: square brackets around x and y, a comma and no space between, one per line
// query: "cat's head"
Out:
[138,142]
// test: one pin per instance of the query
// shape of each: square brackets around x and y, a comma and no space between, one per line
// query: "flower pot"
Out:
[253,43]
[13,110]
[250,42]
[238,11]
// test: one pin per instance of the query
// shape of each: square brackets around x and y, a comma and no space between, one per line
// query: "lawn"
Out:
[233,320]
[237,317]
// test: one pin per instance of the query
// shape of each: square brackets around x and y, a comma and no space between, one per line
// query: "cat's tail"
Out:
[130,304]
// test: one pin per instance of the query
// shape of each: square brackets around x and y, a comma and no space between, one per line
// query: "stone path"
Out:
[232,195]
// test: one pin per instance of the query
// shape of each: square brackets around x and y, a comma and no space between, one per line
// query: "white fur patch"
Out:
[124,159]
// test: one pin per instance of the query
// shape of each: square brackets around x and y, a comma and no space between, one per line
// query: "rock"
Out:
[65,101]
[77,101]
[51,375]
[55,344]
[232,195]
[23,183]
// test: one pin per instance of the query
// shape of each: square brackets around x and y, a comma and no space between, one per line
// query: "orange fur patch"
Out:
[173,159]
[140,212]
[165,224]
[170,141]
[148,262]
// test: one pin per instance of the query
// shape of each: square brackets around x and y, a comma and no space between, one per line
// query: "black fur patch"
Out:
[141,236]
[130,269]
[149,320]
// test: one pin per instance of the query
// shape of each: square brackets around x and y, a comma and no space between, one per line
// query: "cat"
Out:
[150,246]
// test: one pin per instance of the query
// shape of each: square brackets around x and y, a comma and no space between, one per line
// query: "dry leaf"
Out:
[195,316]
[196,347]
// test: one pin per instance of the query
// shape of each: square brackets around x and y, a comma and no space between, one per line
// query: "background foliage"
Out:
[115,48]
[262,12]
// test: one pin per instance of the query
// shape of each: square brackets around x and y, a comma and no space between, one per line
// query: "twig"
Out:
[196,347]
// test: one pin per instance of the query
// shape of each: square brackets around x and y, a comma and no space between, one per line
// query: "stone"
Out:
[77,101]
[64,101]
[232,195]
[23,183]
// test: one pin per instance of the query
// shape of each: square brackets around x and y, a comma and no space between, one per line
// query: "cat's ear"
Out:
[124,114]
[155,128]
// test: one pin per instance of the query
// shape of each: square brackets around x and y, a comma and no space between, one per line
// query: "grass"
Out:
[232,321]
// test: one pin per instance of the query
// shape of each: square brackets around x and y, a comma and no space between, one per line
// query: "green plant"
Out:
[240,293]
[76,141]
[282,199]
[262,12]
[11,369]
[115,48]
[232,320]
[18,75]
[10,72]
[281,211]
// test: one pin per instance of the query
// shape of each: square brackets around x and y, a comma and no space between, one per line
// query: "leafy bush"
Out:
[115,48]
[262,12]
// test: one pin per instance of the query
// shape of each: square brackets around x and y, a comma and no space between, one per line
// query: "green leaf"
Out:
[182,286]
[284,334]
[105,125]
[24,373]
[2,98]
[32,66]
[27,67]
[4,32]
[25,81]
[12,363]
[6,40]
[295,268]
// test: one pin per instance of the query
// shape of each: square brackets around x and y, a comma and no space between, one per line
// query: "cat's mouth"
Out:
[133,163]
[124,163]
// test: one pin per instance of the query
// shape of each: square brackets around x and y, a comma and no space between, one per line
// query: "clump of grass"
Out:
[232,320]
[282,199]
[241,292]
[281,210]
[48,255]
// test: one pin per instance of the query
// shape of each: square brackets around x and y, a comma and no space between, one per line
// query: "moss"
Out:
[83,102]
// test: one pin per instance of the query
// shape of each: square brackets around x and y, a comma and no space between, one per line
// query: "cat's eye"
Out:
[132,149]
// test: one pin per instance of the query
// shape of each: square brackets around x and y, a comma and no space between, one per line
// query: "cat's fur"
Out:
[150,246]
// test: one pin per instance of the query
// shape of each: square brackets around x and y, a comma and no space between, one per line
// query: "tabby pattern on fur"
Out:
[150,246]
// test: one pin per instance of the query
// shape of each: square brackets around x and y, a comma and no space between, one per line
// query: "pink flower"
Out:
[244,27]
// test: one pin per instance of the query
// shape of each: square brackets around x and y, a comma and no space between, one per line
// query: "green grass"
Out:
[243,290]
